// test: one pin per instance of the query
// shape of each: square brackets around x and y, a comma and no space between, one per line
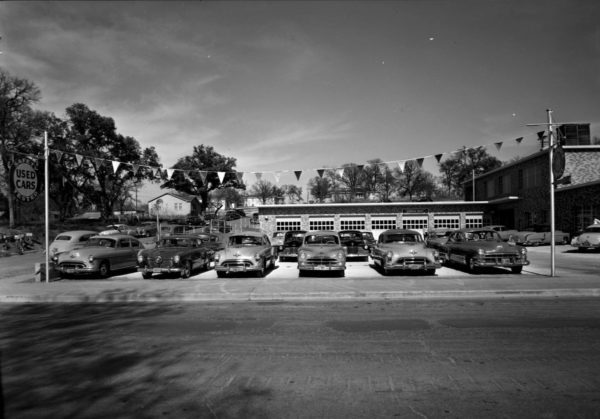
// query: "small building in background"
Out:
[174,205]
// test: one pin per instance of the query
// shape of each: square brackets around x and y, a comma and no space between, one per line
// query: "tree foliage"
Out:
[16,98]
[460,168]
[320,187]
[202,168]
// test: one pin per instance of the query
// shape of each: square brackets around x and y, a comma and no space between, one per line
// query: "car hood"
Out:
[165,252]
[402,246]
[495,246]
[86,251]
[241,251]
[324,249]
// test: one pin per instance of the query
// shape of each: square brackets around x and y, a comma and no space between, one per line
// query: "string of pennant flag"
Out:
[167,174]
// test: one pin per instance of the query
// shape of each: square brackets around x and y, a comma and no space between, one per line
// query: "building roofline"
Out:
[577,186]
[375,204]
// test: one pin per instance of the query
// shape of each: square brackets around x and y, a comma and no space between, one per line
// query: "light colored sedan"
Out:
[69,240]
[321,251]
[403,251]
[589,239]
[245,252]
[100,256]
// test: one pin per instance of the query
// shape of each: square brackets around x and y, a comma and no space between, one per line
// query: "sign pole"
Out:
[551,173]
[46,205]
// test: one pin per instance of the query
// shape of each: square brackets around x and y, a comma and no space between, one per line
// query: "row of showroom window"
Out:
[375,223]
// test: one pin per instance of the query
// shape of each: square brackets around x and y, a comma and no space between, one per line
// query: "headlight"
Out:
[436,254]
[341,255]
[481,252]
[302,255]
[257,256]
[389,255]
[217,257]
[523,251]
[140,258]
[91,258]
[176,259]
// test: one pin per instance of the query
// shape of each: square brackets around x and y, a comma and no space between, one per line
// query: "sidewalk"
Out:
[17,285]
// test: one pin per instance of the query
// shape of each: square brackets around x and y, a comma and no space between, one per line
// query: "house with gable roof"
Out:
[174,205]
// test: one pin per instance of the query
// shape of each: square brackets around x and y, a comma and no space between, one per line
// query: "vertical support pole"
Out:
[551,173]
[46,205]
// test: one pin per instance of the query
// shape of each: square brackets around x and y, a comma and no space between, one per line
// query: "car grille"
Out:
[321,261]
[237,263]
[72,265]
[412,261]
[352,249]
[500,258]
[290,251]
[159,262]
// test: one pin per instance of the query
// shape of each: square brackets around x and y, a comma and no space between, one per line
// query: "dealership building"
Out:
[516,195]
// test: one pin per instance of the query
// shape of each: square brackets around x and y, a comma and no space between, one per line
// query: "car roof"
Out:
[182,236]
[114,236]
[400,231]
[76,232]
[321,233]
[470,229]
[247,233]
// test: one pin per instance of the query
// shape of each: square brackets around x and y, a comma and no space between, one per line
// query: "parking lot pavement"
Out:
[577,275]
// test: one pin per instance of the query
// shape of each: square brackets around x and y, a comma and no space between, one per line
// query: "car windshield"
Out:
[350,236]
[322,239]
[402,238]
[367,235]
[293,236]
[102,242]
[592,229]
[482,235]
[244,241]
[176,242]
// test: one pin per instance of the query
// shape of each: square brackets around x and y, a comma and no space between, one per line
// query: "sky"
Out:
[286,86]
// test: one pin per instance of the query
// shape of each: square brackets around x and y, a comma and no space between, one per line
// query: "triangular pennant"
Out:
[401,165]
[203,174]
[420,161]
[518,140]
[258,175]
[298,173]
[221,176]
[158,173]
[115,165]
[498,145]
[99,163]
[135,168]
[79,159]
[438,157]
[170,173]
[240,176]
[320,172]
[58,155]
[277,175]
[340,171]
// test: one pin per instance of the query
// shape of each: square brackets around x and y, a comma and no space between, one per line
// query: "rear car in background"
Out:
[69,240]
[354,244]
[588,239]
[292,240]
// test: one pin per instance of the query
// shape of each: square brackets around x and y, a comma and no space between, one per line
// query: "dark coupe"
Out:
[483,247]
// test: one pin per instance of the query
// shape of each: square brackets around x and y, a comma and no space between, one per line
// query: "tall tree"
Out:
[352,179]
[95,137]
[460,168]
[293,193]
[414,182]
[374,177]
[202,168]
[16,97]
[319,187]
[264,190]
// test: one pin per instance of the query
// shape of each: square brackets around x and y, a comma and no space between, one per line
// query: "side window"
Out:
[124,243]
[135,243]
[85,237]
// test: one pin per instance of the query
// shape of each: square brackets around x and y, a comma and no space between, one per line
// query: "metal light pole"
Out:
[47,205]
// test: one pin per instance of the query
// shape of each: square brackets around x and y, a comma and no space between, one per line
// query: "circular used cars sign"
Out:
[25,179]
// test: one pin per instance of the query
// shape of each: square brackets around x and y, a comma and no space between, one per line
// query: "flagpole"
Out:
[551,172]
[46,206]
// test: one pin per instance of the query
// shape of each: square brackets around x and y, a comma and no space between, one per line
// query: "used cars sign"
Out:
[24,177]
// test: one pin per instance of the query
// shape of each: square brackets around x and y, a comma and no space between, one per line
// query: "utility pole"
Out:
[551,148]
